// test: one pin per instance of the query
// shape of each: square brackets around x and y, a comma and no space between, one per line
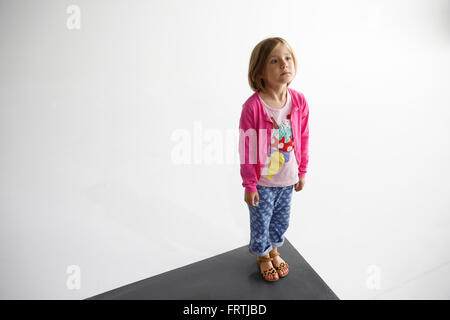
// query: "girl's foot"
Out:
[267,270]
[281,265]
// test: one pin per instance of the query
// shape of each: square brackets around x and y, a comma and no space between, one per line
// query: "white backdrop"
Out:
[119,156]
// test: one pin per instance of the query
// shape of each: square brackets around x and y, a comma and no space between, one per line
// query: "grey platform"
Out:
[233,275]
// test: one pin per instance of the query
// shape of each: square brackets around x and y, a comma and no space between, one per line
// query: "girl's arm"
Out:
[302,168]
[247,149]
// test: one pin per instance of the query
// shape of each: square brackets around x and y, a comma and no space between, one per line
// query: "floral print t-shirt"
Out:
[281,167]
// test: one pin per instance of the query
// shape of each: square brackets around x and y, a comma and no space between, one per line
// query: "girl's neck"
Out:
[278,94]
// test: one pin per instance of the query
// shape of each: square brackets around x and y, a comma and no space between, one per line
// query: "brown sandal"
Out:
[282,267]
[266,273]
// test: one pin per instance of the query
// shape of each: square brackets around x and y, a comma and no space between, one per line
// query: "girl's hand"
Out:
[251,198]
[299,185]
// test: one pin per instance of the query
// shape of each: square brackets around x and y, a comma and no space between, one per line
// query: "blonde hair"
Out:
[258,61]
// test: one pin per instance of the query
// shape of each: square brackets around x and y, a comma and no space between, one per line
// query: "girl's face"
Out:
[279,68]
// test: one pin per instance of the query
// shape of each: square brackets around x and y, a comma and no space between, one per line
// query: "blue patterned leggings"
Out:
[269,219]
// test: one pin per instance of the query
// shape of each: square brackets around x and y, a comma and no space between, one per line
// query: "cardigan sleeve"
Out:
[247,149]
[304,150]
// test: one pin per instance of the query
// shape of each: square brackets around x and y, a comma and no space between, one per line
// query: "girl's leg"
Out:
[281,215]
[260,217]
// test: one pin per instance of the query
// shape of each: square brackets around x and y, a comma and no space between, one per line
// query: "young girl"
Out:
[273,149]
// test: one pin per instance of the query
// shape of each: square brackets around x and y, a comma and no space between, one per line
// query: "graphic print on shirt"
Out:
[281,145]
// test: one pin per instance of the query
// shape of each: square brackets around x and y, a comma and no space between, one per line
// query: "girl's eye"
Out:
[274,60]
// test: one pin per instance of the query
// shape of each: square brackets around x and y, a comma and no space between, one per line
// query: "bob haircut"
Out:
[258,61]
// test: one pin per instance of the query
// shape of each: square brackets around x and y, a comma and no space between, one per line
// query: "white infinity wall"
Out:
[119,141]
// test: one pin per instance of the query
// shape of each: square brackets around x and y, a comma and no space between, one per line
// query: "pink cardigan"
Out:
[255,131]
